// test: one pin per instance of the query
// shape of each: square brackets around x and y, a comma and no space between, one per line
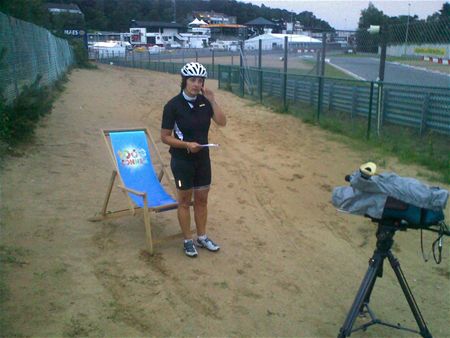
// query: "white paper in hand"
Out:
[209,145]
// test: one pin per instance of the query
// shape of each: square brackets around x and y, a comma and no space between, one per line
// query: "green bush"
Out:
[81,56]
[18,120]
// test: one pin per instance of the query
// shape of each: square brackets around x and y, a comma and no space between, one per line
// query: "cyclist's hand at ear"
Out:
[209,94]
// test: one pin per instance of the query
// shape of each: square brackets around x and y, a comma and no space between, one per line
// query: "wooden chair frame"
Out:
[133,209]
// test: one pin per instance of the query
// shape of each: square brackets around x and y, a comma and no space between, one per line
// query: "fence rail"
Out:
[419,107]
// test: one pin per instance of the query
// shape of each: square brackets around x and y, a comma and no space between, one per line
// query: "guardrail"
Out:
[419,107]
[378,103]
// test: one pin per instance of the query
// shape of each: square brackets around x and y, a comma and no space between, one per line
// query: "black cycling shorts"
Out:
[192,173]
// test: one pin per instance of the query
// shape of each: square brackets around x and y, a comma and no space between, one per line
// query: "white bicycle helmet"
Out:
[194,69]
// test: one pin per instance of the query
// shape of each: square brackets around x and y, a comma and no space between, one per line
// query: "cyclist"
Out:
[185,126]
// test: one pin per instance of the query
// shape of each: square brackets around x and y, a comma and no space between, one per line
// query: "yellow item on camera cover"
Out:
[368,168]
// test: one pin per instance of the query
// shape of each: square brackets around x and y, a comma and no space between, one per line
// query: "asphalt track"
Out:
[367,68]
[363,68]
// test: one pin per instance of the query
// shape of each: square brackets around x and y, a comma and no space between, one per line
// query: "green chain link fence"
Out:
[418,107]
[30,52]
[424,109]
[424,45]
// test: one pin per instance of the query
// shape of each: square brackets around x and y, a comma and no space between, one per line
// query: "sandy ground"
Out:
[290,264]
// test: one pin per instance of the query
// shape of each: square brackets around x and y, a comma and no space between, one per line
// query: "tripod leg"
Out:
[366,286]
[409,296]
[369,290]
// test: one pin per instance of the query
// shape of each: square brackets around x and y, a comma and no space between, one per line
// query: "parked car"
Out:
[174,45]
[140,49]
[155,49]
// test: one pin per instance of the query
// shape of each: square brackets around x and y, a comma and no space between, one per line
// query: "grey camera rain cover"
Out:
[367,196]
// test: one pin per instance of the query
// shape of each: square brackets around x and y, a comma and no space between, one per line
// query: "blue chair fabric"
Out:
[135,167]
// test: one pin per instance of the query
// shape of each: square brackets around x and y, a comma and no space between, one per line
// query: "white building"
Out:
[197,36]
[109,49]
[276,41]
[155,33]
[56,8]
[192,40]
[169,34]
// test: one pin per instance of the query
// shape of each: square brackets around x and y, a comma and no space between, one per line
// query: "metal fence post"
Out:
[423,123]
[383,38]
[318,63]
[354,103]
[383,43]
[229,78]
[284,90]
[380,99]
[322,74]
[260,74]
[369,122]
[241,67]
[319,98]
[323,54]
[212,55]
[331,97]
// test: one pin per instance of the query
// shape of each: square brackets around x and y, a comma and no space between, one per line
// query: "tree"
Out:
[366,42]
[371,16]
[115,15]
[27,10]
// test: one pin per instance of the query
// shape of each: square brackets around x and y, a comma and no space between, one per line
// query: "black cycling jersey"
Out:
[189,124]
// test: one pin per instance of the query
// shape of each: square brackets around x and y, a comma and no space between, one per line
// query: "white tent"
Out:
[197,22]
[276,41]
[110,48]
[194,23]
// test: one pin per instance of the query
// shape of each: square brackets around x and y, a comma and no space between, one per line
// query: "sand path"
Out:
[290,264]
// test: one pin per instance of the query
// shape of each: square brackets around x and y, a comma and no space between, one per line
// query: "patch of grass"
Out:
[440,67]
[80,326]
[12,255]
[222,285]
[18,120]
[357,55]
[431,150]
[331,71]
[9,256]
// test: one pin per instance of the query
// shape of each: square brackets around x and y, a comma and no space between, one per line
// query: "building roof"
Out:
[291,38]
[223,25]
[65,7]
[162,24]
[260,22]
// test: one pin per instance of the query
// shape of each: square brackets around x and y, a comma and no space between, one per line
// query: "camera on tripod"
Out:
[392,199]
[395,203]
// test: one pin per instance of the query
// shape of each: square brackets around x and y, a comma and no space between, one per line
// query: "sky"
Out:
[344,14]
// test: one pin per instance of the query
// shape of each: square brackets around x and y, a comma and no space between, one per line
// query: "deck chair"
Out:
[131,157]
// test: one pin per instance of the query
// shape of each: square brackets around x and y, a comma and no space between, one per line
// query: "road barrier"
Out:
[419,107]
[425,109]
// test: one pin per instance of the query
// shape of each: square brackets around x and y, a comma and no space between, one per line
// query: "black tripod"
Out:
[385,235]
